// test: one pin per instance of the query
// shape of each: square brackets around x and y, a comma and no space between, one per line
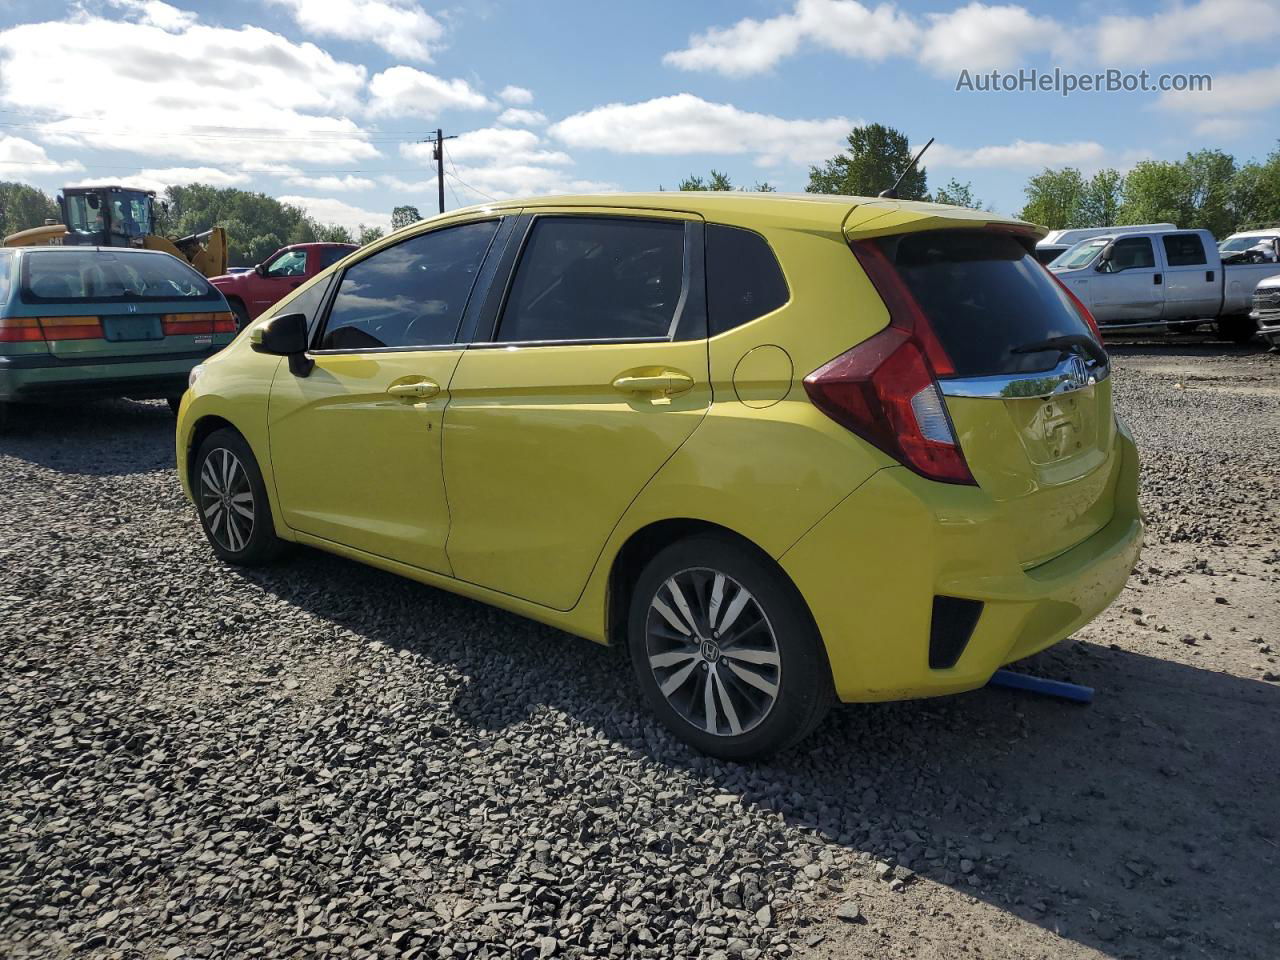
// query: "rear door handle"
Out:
[665,383]
[1157,277]
[418,390]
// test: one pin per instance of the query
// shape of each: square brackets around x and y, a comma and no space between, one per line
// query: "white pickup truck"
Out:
[1150,282]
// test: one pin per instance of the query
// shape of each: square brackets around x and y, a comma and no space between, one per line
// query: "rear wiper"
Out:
[1065,343]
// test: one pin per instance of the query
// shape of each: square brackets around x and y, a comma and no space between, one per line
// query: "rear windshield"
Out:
[96,276]
[985,296]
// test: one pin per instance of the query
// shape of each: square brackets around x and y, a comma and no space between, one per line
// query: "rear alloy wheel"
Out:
[232,501]
[725,651]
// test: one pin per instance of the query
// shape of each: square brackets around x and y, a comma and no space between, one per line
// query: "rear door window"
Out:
[744,280]
[409,295]
[1184,249]
[985,295]
[596,278]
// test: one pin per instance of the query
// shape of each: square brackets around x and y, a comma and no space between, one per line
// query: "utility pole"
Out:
[437,151]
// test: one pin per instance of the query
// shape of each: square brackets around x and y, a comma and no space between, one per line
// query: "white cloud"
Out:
[179,176]
[522,118]
[330,210]
[409,186]
[20,157]
[400,27]
[514,94]
[1185,30]
[501,180]
[1021,154]
[155,13]
[405,91]
[751,46]
[685,124]
[982,37]
[348,182]
[1231,93]
[492,144]
[151,102]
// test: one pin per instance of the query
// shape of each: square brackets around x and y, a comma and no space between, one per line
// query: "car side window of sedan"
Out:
[596,278]
[410,295]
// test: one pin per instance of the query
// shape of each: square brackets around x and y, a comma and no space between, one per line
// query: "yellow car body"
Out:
[527,480]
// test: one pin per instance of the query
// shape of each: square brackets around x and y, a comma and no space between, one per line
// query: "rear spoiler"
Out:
[878,218]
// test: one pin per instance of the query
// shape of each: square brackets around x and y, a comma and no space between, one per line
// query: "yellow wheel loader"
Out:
[113,216]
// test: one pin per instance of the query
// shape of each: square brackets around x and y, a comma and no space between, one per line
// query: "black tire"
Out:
[6,416]
[225,469]
[774,617]
[241,312]
[1237,329]
[174,404]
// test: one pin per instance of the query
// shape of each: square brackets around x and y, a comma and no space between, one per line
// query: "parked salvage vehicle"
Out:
[1252,246]
[1058,242]
[253,290]
[1266,310]
[1151,282]
[103,322]
[787,451]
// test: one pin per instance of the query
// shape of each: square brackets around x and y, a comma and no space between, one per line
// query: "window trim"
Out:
[453,344]
[690,307]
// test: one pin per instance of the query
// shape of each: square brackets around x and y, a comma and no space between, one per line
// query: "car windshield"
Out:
[1080,255]
[98,276]
[1236,244]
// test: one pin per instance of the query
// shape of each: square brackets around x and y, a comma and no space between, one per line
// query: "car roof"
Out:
[76,248]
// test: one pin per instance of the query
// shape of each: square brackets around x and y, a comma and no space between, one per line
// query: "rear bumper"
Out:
[871,568]
[34,377]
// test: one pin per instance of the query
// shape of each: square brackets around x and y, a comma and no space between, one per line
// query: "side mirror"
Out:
[284,336]
[1104,258]
[260,270]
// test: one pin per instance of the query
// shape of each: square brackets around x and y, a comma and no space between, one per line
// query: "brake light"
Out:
[885,389]
[71,328]
[20,330]
[1085,313]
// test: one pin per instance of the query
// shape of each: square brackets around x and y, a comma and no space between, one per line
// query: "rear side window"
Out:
[98,276]
[331,255]
[985,296]
[596,278]
[1183,250]
[744,280]
[409,295]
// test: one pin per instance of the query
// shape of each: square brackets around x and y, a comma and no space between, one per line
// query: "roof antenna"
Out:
[892,192]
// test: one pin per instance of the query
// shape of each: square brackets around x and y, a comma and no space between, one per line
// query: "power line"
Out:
[455,176]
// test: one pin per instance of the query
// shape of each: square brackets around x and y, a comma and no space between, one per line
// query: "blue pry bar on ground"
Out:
[1050,688]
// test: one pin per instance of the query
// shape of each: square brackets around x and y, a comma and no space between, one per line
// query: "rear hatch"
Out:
[90,304]
[1023,377]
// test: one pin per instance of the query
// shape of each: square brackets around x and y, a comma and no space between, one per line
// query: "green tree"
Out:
[23,206]
[403,216]
[333,233]
[957,194]
[368,234]
[876,157]
[717,181]
[764,186]
[1054,199]
[1100,201]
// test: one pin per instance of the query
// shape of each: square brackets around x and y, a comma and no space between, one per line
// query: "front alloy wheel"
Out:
[226,499]
[713,652]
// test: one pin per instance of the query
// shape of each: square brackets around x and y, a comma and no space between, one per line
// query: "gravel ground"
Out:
[324,760]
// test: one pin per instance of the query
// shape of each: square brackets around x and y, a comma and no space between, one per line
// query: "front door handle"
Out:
[1157,278]
[665,383]
[418,390]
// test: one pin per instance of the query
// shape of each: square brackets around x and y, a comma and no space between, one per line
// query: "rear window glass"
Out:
[744,280]
[96,276]
[1183,250]
[985,296]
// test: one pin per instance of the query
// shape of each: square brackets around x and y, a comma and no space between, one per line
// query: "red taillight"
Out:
[885,389]
[197,323]
[71,328]
[20,330]
[1085,314]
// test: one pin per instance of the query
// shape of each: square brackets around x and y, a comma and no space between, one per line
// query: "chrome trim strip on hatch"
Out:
[1073,373]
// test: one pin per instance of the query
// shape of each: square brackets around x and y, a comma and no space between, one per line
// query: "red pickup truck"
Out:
[251,292]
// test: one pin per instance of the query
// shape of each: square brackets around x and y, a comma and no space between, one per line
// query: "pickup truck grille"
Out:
[1266,306]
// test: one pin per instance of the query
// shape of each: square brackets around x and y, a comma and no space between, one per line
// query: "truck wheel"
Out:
[1237,329]
[241,312]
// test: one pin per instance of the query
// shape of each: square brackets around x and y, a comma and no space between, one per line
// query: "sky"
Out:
[325,103]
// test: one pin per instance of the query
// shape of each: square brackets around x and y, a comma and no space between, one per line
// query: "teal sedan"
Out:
[103,322]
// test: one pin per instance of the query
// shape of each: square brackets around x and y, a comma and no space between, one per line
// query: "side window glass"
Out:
[744,280]
[409,295]
[291,264]
[309,302]
[331,255]
[1183,250]
[5,260]
[1132,253]
[596,278]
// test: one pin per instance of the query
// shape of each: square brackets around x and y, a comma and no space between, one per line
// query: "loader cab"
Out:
[107,216]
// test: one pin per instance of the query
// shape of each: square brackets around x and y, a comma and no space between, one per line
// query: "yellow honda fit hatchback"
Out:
[788,450]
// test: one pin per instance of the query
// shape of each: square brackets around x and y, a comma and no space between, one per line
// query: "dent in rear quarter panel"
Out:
[769,473]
